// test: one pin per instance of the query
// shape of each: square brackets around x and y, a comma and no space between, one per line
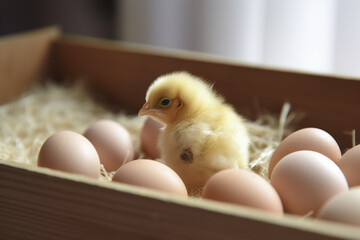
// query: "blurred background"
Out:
[320,36]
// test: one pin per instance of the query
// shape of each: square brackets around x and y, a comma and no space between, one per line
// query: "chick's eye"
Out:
[165,102]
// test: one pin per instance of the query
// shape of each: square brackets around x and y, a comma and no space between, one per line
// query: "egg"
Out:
[112,142]
[313,139]
[149,138]
[69,152]
[343,207]
[350,165]
[305,180]
[150,174]
[242,187]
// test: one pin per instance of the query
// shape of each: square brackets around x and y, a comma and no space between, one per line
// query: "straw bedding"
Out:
[47,108]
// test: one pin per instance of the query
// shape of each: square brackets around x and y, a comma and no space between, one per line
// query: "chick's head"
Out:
[177,96]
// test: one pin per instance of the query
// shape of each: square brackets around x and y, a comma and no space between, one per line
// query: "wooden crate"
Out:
[37,203]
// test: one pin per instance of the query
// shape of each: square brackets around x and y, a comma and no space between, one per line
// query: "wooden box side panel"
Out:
[24,58]
[36,205]
[329,103]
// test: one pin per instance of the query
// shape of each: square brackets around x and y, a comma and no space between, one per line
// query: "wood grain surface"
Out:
[45,204]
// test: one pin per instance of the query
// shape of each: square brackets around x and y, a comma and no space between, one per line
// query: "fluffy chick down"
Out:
[202,133]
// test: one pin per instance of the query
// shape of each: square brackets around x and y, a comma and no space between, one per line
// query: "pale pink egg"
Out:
[305,180]
[70,152]
[343,207]
[350,165]
[313,139]
[244,188]
[112,142]
[150,137]
[150,174]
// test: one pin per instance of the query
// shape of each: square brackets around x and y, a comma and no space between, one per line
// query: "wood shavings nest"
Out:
[47,108]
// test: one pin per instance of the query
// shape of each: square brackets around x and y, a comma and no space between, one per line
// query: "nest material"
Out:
[45,109]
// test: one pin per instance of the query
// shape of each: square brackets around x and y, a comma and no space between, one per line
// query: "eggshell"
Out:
[350,166]
[343,207]
[112,142]
[149,138]
[313,139]
[243,187]
[305,180]
[70,152]
[150,174]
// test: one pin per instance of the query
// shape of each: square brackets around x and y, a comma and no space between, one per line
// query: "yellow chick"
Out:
[202,134]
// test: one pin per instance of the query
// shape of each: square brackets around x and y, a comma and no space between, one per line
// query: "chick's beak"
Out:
[146,110]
